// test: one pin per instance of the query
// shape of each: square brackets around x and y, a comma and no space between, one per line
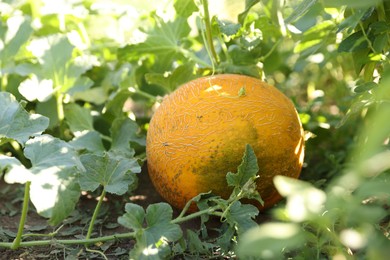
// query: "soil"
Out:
[76,225]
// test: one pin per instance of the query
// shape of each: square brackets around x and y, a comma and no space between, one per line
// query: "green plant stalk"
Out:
[95,214]
[88,240]
[4,81]
[17,241]
[60,113]
[209,36]
[48,242]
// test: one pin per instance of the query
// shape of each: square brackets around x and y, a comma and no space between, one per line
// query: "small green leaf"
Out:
[124,131]
[78,118]
[300,10]
[354,42]
[225,27]
[197,246]
[133,218]
[88,140]
[185,7]
[159,231]
[241,216]
[179,76]
[246,170]
[248,5]
[16,123]
[113,173]
[270,241]
[365,87]
[158,218]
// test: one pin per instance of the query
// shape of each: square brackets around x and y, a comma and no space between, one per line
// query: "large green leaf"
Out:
[54,189]
[16,123]
[55,55]
[12,36]
[113,173]
[164,40]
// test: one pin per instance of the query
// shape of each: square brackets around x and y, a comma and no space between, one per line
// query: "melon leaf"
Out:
[112,172]
[152,241]
[16,123]
[246,170]
[54,189]
[241,216]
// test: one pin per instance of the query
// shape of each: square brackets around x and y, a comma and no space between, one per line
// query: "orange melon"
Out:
[199,133]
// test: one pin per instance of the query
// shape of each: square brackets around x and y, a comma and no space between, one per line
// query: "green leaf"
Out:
[300,10]
[246,170]
[88,140]
[46,151]
[16,123]
[351,3]
[226,27]
[270,241]
[36,89]
[314,37]
[78,118]
[353,42]
[159,231]
[180,75]
[54,188]
[241,216]
[185,7]
[54,53]
[133,218]
[158,218]
[164,39]
[12,37]
[195,245]
[13,165]
[365,87]
[55,193]
[123,132]
[113,173]
[304,201]
[248,5]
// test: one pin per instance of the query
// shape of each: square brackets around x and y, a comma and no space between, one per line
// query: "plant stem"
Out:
[69,241]
[181,219]
[4,81]
[209,36]
[88,240]
[17,241]
[95,214]
[60,113]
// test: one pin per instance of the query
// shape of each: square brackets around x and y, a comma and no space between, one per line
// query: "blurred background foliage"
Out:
[85,64]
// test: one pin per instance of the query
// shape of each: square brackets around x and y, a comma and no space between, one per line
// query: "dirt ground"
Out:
[76,225]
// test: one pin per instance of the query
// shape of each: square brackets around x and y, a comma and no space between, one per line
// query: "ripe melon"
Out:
[199,133]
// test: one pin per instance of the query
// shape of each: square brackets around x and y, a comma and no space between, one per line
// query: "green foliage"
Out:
[80,81]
